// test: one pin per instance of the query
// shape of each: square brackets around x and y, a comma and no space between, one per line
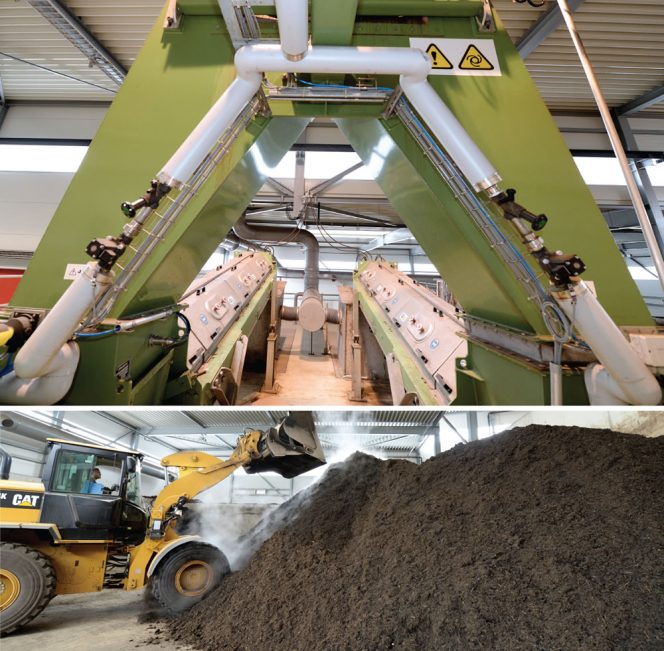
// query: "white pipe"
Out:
[268,57]
[614,138]
[413,66]
[293,19]
[200,141]
[626,377]
[454,138]
[61,322]
[48,389]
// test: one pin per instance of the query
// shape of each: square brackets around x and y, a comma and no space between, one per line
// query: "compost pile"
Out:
[542,537]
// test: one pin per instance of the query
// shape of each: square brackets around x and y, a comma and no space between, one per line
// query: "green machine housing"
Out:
[181,72]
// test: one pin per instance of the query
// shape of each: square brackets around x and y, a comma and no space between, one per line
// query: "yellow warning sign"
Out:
[440,61]
[473,59]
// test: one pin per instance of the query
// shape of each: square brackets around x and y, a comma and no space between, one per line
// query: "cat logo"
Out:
[29,501]
[20,500]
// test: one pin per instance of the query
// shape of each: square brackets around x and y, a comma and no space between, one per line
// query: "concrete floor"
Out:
[103,621]
[305,379]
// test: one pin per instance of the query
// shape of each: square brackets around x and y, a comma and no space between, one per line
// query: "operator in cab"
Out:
[91,486]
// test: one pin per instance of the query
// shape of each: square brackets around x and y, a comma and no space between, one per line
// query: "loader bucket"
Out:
[289,449]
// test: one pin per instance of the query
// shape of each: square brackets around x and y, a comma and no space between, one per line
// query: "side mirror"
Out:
[131,464]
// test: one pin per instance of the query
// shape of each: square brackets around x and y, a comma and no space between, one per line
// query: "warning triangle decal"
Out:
[440,61]
[473,59]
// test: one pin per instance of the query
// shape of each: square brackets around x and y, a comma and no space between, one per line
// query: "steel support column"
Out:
[639,171]
[471,424]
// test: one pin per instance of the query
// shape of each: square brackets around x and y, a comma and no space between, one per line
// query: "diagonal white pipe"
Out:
[411,65]
[37,354]
[622,374]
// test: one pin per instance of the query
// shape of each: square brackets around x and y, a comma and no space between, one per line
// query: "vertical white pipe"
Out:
[631,376]
[452,136]
[200,141]
[612,132]
[293,19]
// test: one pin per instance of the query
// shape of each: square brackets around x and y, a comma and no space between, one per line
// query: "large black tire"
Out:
[187,575]
[27,584]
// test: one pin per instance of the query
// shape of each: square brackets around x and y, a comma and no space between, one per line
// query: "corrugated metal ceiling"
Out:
[624,40]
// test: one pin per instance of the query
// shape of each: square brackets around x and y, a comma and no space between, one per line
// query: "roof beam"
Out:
[546,24]
[76,33]
[655,96]
[396,236]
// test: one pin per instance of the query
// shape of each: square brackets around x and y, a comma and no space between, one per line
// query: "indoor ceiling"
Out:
[385,432]
[623,39]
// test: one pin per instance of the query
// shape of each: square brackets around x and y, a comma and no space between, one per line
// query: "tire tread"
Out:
[46,569]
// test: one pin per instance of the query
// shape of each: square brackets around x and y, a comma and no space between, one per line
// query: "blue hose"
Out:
[103,333]
[8,369]
[311,83]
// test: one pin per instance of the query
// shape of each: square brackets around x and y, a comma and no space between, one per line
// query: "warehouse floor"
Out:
[305,379]
[103,621]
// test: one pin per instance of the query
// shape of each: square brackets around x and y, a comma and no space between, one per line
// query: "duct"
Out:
[412,65]
[290,313]
[47,389]
[311,311]
[48,341]
[239,243]
[286,235]
[621,377]
[293,14]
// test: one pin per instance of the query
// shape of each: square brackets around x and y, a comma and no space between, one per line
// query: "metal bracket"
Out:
[240,21]
[392,103]
[270,386]
[396,379]
[224,388]
[486,23]
[173,16]
[356,393]
[263,108]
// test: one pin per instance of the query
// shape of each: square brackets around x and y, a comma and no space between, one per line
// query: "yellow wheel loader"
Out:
[71,534]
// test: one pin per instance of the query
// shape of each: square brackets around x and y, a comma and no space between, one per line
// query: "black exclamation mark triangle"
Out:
[440,61]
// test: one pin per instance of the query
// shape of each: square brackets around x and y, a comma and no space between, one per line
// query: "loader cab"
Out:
[93,493]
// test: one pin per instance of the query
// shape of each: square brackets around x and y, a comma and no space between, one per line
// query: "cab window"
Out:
[86,472]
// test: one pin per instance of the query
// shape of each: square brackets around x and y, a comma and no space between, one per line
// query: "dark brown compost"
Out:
[540,538]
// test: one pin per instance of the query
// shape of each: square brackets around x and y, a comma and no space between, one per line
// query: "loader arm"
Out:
[200,471]
[289,449]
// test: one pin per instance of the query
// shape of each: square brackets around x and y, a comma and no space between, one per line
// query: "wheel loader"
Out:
[72,534]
